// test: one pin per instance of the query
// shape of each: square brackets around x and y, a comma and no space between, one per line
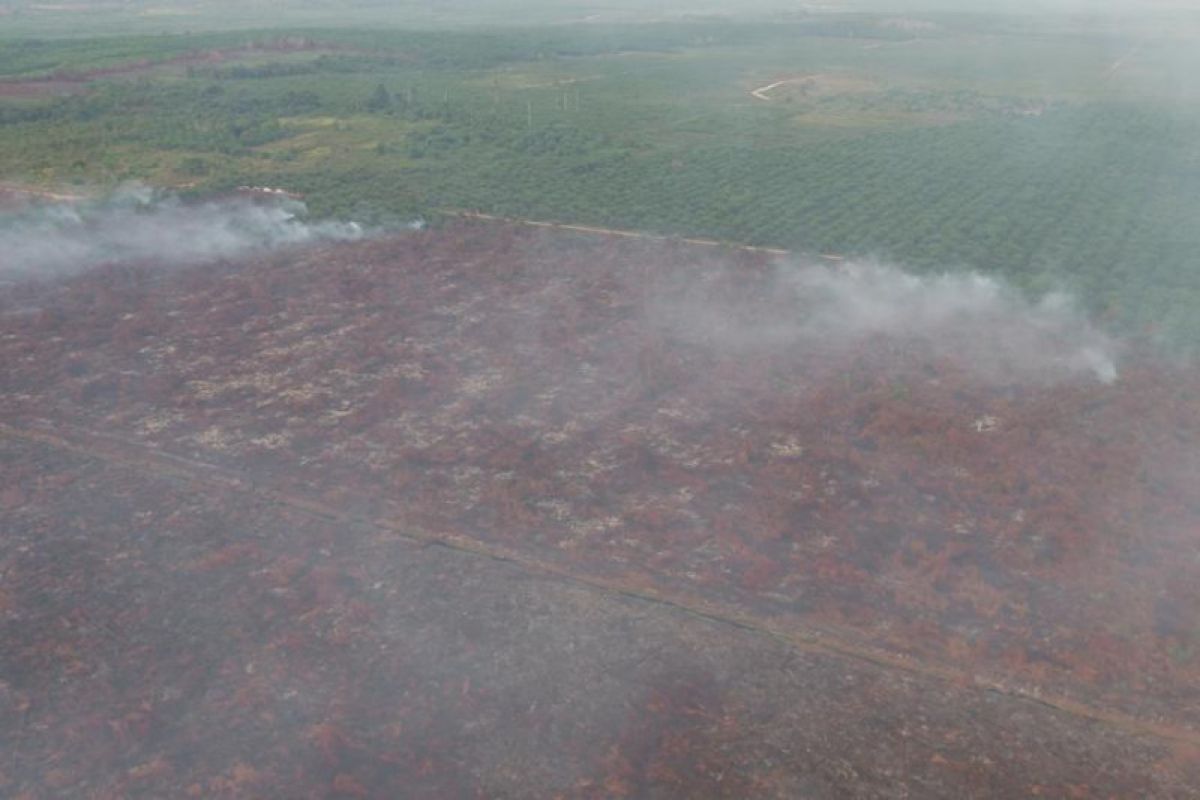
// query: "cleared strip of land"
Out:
[199,474]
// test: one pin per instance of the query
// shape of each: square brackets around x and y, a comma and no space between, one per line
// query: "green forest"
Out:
[1066,159]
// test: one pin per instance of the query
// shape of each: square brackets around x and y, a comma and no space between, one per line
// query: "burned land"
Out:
[488,511]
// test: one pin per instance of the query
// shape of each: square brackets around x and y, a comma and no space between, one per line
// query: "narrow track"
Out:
[761,92]
[19,190]
[153,462]
[623,234]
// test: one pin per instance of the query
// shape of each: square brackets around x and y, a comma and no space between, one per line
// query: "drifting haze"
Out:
[976,321]
[138,224]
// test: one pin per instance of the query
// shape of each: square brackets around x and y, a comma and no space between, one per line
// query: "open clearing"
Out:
[364,465]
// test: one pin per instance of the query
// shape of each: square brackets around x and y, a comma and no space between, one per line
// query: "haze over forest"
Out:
[596,400]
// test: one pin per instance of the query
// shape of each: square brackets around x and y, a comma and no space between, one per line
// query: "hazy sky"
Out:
[652,7]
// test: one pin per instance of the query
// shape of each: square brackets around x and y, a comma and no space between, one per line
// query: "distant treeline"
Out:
[1099,197]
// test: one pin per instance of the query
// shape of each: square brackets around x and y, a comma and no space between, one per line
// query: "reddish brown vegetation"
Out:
[518,389]
[39,87]
[503,385]
[173,638]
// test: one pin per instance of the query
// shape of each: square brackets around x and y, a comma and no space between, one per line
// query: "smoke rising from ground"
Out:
[979,322]
[137,224]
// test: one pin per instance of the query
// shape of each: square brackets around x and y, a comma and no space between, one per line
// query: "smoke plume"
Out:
[137,224]
[984,325]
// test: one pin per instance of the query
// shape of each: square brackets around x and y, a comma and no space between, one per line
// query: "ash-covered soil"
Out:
[169,639]
[491,512]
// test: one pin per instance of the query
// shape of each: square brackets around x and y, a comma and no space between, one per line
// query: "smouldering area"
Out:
[488,511]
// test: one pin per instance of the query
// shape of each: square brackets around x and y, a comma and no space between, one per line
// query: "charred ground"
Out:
[224,486]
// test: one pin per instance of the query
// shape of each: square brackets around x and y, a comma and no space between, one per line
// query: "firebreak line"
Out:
[145,459]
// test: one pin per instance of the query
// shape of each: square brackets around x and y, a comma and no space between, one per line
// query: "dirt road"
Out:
[130,454]
[625,234]
[20,193]
[761,93]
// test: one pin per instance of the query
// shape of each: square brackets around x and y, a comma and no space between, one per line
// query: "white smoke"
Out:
[979,322]
[138,224]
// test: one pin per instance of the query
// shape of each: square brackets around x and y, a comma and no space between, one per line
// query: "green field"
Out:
[1059,154]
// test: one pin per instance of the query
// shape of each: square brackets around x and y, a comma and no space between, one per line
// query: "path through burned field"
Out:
[492,512]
